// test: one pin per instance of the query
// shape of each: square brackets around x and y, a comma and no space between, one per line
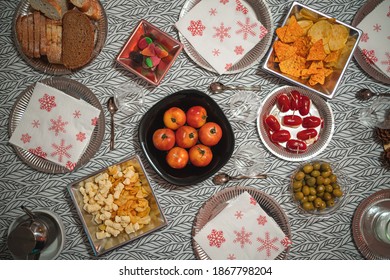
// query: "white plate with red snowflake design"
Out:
[74,89]
[214,205]
[294,133]
[260,10]
[359,55]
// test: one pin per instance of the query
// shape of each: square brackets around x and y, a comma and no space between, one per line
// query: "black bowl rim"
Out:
[192,180]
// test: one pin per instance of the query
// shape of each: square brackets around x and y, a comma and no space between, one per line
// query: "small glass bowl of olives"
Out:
[318,188]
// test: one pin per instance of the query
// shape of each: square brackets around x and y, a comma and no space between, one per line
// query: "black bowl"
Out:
[153,120]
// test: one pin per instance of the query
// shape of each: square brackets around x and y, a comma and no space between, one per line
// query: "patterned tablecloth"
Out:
[353,146]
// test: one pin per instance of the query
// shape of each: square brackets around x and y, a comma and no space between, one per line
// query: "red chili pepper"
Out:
[296,145]
[272,123]
[283,103]
[280,136]
[292,120]
[305,105]
[295,100]
[311,122]
[306,134]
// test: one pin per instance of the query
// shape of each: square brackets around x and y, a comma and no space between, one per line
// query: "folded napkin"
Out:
[221,31]
[375,41]
[242,230]
[55,126]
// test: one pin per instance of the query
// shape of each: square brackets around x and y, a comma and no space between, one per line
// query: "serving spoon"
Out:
[366,94]
[217,87]
[112,109]
[223,178]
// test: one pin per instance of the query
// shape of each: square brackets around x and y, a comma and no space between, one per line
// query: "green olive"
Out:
[320,194]
[317,202]
[322,206]
[315,173]
[297,184]
[320,180]
[327,196]
[312,191]
[320,188]
[330,202]
[304,199]
[326,181]
[308,206]
[335,186]
[311,182]
[333,178]
[328,188]
[306,190]
[325,167]
[316,166]
[307,168]
[299,176]
[337,193]
[298,195]
[312,197]
[326,174]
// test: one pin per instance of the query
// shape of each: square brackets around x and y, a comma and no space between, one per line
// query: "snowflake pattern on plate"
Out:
[231,257]
[77,114]
[364,37]
[242,237]
[26,138]
[61,150]
[38,152]
[262,220]
[58,125]
[216,52]
[370,56]
[241,8]
[221,32]
[94,121]
[377,27]
[80,136]
[387,61]
[196,28]
[224,2]
[70,165]
[213,12]
[228,66]
[47,102]
[238,50]
[35,124]
[246,28]
[267,244]
[216,238]
[263,32]
[239,215]
[286,242]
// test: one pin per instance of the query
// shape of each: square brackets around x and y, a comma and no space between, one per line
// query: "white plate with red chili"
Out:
[295,124]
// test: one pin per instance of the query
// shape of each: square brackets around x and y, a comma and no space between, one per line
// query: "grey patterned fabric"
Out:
[353,146]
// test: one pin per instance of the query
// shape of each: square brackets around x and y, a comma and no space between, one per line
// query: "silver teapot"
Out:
[31,236]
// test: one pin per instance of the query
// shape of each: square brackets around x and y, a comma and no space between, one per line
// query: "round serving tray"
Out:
[252,57]
[374,72]
[363,226]
[41,64]
[325,135]
[217,202]
[74,89]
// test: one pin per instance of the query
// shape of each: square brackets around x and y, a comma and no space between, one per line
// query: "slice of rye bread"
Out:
[37,33]
[30,26]
[19,31]
[42,40]
[54,44]
[77,39]
[25,35]
[50,8]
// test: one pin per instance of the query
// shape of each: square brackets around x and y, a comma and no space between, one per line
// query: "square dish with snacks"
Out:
[116,205]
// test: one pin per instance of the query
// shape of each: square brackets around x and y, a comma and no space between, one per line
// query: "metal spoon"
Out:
[112,109]
[365,94]
[218,87]
[223,178]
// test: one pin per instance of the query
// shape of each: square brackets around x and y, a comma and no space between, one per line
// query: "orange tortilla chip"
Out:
[318,78]
[317,51]
[304,74]
[333,56]
[293,32]
[315,67]
[293,65]
[303,45]
[283,51]
[281,31]
[328,72]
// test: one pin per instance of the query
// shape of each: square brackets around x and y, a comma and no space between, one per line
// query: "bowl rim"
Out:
[342,180]
[142,134]
[285,77]
[130,37]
